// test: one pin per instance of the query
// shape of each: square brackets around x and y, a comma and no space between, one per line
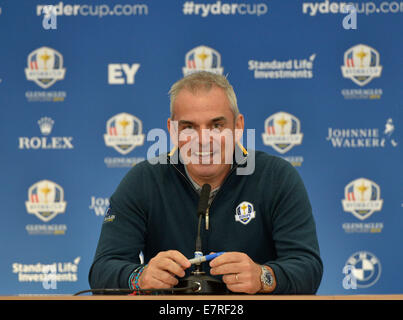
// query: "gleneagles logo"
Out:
[124,133]
[45,67]
[45,200]
[202,58]
[361,64]
[45,142]
[362,197]
[282,132]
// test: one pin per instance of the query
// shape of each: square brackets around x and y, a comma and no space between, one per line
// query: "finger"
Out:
[172,261]
[165,277]
[228,268]
[169,265]
[152,277]
[154,283]
[227,257]
[230,279]
[179,258]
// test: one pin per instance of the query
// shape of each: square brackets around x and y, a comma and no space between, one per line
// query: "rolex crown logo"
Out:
[45,125]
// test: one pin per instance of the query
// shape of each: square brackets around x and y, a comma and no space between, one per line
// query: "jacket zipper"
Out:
[187,180]
[207,217]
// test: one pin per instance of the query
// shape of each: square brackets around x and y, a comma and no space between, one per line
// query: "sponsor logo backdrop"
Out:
[82,86]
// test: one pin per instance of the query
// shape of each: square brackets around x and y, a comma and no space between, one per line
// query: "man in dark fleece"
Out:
[259,211]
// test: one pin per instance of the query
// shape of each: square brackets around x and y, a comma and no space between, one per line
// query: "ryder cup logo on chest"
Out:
[202,58]
[362,198]
[45,67]
[244,212]
[124,133]
[45,200]
[282,132]
[361,64]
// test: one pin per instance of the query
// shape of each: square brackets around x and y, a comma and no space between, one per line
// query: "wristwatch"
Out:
[266,278]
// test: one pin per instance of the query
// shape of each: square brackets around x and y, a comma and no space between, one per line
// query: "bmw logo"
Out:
[366,268]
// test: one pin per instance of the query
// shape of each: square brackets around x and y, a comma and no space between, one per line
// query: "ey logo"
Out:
[122,73]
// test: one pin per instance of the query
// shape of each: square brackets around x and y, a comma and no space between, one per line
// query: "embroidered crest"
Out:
[244,212]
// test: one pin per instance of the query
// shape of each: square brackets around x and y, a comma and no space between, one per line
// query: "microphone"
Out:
[203,200]
[205,283]
[201,211]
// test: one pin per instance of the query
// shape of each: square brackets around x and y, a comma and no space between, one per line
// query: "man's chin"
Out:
[206,170]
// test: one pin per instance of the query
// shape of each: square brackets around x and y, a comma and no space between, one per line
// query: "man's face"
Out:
[205,127]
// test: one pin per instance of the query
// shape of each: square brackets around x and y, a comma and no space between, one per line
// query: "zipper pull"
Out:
[207,218]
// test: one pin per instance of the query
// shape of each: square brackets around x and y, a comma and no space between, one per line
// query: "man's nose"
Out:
[204,136]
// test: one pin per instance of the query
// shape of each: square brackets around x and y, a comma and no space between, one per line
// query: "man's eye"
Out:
[218,125]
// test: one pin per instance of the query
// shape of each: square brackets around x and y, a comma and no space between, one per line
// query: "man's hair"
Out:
[204,80]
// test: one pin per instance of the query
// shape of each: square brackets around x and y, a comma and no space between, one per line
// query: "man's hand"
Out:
[240,273]
[162,269]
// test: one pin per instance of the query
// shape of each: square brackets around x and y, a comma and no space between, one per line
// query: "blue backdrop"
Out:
[81,89]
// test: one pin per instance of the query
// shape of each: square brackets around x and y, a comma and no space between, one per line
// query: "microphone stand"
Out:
[206,284]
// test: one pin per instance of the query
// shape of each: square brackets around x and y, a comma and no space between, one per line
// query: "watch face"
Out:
[266,277]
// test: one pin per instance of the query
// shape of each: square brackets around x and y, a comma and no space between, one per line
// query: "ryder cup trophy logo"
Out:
[202,58]
[282,132]
[45,67]
[244,212]
[361,64]
[124,133]
[45,200]
[362,198]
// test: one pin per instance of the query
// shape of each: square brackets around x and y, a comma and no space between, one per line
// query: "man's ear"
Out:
[172,126]
[239,127]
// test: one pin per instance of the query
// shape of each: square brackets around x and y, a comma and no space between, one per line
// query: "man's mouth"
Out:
[203,154]
[203,157]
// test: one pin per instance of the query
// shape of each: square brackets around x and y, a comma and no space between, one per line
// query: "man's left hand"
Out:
[240,273]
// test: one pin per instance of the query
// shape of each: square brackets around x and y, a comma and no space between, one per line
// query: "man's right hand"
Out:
[161,270]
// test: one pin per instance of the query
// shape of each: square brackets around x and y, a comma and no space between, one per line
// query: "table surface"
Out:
[205,297]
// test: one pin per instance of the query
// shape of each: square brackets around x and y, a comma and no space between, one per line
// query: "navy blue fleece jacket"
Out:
[154,209]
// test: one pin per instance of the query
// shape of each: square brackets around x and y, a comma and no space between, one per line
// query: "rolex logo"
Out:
[45,142]
[45,125]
